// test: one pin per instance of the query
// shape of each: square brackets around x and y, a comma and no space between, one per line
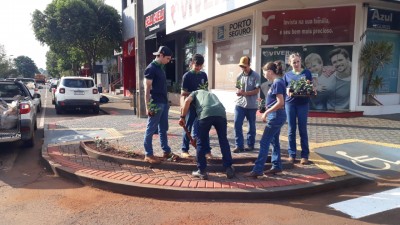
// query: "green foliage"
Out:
[101,143]
[376,83]
[239,84]
[374,55]
[153,108]
[79,30]
[25,66]
[301,87]
[203,86]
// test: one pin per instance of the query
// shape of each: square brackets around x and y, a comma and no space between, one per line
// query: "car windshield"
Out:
[78,83]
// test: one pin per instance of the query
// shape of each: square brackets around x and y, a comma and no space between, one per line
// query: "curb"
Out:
[163,192]
[239,189]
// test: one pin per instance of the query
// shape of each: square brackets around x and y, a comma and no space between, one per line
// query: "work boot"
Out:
[152,159]
[272,171]
[304,161]
[237,150]
[202,175]
[249,149]
[230,172]
[185,155]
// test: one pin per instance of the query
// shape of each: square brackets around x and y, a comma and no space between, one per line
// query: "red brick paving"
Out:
[177,179]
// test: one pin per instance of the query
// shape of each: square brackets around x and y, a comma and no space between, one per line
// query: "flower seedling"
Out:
[101,143]
[261,105]
[153,108]
[203,86]
[301,88]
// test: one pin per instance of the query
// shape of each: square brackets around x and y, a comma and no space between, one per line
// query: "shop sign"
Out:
[128,48]
[155,21]
[185,13]
[303,26]
[383,19]
[236,29]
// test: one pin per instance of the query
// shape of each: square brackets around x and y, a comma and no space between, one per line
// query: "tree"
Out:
[87,26]
[6,65]
[374,55]
[25,66]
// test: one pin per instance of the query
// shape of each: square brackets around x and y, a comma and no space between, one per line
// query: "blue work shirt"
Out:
[155,72]
[191,80]
[277,87]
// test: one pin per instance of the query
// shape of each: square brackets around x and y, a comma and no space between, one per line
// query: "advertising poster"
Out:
[322,25]
[331,69]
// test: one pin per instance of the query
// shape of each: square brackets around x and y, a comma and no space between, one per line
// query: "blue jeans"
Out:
[250,115]
[299,114]
[203,144]
[158,121]
[191,122]
[271,136]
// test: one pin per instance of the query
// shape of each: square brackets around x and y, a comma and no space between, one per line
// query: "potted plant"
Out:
[374,55]
[301,88]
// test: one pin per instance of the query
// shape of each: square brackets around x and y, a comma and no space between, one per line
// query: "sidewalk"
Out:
[170,180]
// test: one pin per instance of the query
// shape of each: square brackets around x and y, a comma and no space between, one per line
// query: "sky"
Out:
[17,35]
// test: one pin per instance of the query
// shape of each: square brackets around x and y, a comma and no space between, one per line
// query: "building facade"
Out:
[328,33]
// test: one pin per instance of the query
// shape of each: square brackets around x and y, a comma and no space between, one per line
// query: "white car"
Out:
[76,93]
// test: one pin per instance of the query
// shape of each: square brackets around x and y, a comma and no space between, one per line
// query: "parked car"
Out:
[52,89]
[76,93]
[33,88]
[18,113]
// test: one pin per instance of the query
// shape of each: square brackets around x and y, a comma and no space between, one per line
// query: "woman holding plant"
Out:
[297,110]
[275,117]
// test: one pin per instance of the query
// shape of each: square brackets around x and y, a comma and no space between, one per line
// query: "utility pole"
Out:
[140,57]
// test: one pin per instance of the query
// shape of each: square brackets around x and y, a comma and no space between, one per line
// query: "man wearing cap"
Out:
[248,86]
[157,106]
[192,80]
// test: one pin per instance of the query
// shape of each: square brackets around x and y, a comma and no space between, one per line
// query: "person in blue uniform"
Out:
[297,110]
[275,117]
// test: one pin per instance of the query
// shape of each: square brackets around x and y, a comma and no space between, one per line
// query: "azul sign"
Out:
[383,19]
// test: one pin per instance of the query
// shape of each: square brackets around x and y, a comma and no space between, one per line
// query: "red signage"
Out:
[322,25]
[154,18]
[128,48]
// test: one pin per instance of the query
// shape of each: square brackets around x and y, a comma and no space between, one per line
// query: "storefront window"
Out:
[390,72]
[227,55]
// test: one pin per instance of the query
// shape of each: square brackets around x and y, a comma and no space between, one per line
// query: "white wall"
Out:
[128,22]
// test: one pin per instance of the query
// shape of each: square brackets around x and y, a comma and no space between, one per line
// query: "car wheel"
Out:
[35,125]
[96,110]
[39,107]
[31,142]
[58,110]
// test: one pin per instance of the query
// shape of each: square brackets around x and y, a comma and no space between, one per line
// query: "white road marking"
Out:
[369,205]
[41,121]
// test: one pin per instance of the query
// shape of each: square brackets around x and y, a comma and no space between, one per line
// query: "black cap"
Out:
[163,50]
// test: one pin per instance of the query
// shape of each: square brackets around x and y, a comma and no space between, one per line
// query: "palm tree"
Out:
[374,55]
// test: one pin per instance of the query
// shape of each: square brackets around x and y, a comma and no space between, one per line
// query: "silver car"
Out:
[18,113]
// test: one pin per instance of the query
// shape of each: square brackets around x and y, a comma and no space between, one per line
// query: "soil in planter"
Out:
[111,150]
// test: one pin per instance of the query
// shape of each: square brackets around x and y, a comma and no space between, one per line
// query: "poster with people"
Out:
[331,70]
